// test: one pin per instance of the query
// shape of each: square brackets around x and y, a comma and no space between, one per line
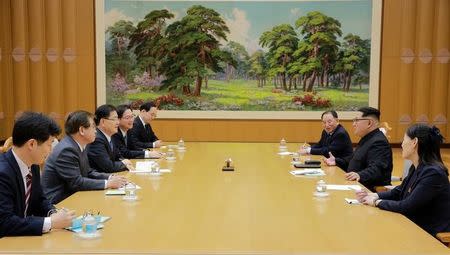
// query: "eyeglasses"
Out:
[113,119]
[358,119]
[129,117]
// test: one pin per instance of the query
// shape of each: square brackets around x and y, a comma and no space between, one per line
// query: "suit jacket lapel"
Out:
[19,180]
[105,141]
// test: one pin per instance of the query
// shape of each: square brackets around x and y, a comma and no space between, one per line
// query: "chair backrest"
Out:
[6,146]
[444,237]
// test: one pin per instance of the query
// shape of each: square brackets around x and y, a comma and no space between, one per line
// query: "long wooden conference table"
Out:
[260,208]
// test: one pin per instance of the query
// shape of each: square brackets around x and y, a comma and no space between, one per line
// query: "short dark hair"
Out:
[34,125]
[77,119]
[429,140]
[370,112]
[121,109]
[147,106]
[332,112]
[103,111]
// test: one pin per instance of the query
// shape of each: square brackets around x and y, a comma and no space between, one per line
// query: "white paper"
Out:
[165,170]
[143,167]
[308,172]
[352,201]
[343,187]
[115,192]
[285,153]
[123,188]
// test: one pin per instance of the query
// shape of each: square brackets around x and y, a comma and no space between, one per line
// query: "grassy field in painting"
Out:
[244,95]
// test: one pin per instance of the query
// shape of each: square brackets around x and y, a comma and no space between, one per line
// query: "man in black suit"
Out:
[24,210]
[120,139]
[334,139]
[101,153]
[141,136]
[67,169]
[371,162]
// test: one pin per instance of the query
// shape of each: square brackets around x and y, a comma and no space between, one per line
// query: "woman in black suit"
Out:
[424,195]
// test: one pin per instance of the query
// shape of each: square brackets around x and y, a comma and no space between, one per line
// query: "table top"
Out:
[260,208]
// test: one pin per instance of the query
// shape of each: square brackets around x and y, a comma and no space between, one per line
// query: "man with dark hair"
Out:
[371,162]
[67,169]
[120,139]
[141,136]
[102,153]
[24,210]
[334,139]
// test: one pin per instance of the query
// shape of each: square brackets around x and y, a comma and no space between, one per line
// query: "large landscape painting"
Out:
[239,56]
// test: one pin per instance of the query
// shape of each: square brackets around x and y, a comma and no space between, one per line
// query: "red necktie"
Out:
[28,180]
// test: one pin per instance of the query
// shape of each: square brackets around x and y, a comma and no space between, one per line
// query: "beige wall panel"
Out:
[54,62]
[407,58]
[20,61]
[86,82]
[6,96]
[70,57]
[391,29]
[389,96]
[440,70]
[85,27]
[85,42]
[36,32]
[422,70]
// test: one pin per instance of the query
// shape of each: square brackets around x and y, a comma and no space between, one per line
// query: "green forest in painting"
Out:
[189,64]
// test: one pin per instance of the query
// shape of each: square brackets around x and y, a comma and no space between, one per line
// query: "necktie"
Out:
[28,180]
[111,145]
[125,139]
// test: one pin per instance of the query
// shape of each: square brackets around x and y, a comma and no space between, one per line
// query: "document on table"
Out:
[308,172]
[143,167]
[343,187]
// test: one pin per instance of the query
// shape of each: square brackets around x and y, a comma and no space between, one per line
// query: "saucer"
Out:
[89,235]
[321,194]
[130,198]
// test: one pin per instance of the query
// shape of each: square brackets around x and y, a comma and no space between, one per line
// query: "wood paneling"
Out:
[411,87]
[47,58]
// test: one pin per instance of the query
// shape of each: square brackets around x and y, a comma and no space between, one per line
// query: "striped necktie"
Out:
[28,180]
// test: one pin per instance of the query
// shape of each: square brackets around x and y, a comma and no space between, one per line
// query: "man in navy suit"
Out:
[67,169]
[120,139]
[334,139]
[24,210]
[141,136]
[371,162]
[102,153]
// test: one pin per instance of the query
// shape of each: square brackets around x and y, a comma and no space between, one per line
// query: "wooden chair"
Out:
[6,145]
[444,237]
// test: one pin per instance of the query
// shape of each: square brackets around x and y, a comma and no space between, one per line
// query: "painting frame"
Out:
[374,86]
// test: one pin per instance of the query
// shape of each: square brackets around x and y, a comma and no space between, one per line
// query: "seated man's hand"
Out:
[155,154]
[370,199]
[158,143]
[62,219]
[331,161]
[128,164]
[116,181]
[352,176]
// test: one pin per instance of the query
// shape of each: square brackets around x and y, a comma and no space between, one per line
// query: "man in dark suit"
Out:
[371,162]
[120,139]
[141,136]
[102,154]
[24,210]
[67,169]
[334,139]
